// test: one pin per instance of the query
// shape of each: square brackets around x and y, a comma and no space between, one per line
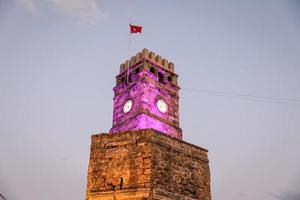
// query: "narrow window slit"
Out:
[121,183]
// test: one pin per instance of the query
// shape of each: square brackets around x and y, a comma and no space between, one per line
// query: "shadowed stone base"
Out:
[146,164]
[126,194]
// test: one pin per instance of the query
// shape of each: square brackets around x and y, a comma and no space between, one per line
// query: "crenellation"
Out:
[132,61]
[126,64]
[122,67]
[138,57]
[145,53]
[151,56]
[164,63]
[171,66]
[158,59]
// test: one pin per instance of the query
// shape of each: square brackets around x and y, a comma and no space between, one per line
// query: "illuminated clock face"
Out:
[127,106]
[162,106]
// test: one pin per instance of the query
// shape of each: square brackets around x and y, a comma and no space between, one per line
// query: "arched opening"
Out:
[137,70]
[152,70]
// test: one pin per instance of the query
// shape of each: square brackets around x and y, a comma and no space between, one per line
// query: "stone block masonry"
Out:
[144,81]
[145,164]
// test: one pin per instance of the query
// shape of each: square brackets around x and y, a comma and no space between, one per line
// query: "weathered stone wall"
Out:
[179,170]
[146,164]
[118,162]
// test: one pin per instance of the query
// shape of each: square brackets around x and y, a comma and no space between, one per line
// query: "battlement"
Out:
[151,56]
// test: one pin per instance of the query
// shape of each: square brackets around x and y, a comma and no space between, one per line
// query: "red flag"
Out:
[135,29]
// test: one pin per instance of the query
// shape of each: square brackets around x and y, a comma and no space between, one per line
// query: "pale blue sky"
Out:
[58,59]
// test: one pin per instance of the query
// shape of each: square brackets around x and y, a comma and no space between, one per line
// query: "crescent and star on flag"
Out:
[135,28]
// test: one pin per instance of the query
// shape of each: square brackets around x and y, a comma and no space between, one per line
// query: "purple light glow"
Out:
[143,121]
[144,90]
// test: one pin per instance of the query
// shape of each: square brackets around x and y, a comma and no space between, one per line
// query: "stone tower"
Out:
[143,156]
[146,95]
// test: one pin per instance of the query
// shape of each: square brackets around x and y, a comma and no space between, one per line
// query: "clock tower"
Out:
[146,95]
[143,156]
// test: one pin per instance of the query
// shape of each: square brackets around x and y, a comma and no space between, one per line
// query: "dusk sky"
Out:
[239,70]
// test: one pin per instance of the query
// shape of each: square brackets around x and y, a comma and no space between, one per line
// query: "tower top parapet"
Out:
[150,56]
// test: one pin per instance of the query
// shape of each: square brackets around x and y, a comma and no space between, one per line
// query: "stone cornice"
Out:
[146,133]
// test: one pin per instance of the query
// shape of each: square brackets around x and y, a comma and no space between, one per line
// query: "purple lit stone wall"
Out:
[144,83]
[143,121]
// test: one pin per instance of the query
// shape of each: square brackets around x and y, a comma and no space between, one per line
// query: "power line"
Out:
[250,97]
[2,197]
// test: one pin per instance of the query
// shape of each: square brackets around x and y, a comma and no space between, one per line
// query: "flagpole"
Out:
[129,41]
[133,29]
[128,52]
